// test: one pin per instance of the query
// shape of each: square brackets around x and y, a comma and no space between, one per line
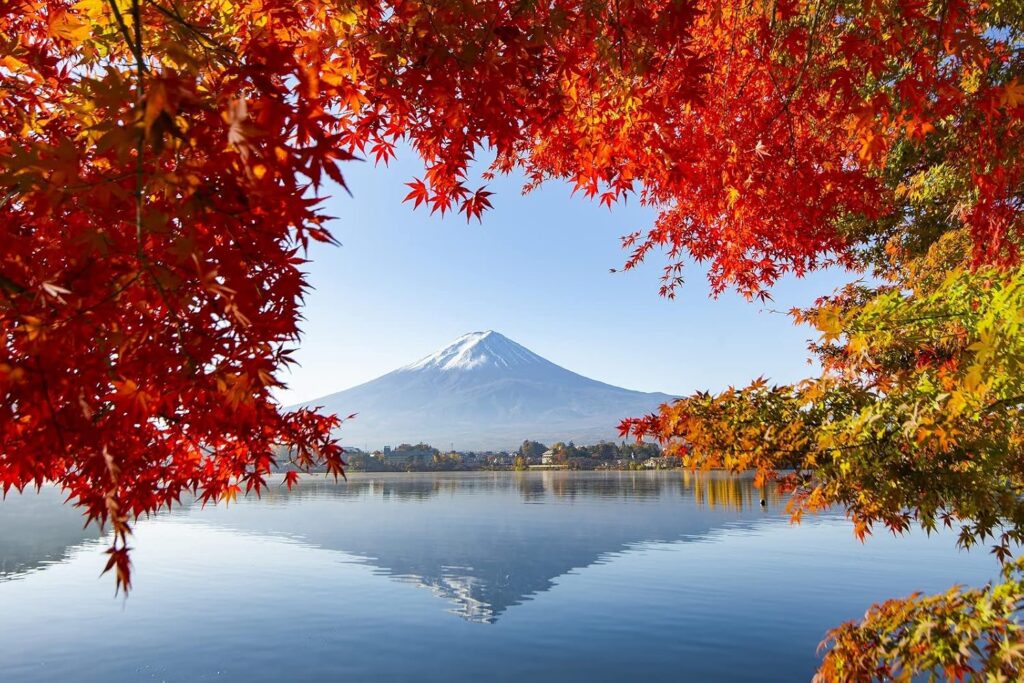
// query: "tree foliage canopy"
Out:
[161,172]
[916,417]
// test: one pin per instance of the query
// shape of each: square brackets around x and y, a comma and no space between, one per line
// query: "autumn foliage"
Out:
[163,163]
[956,634]
[917,418]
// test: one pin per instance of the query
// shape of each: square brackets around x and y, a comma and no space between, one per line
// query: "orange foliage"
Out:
[161,163]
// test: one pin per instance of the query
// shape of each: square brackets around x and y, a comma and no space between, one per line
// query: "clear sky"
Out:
[405,283]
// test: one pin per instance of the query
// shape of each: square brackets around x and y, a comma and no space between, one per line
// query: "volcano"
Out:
[484,391]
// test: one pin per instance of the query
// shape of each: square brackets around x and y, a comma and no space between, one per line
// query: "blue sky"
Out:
[405,283]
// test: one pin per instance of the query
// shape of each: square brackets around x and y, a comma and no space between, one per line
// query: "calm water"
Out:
[551,576]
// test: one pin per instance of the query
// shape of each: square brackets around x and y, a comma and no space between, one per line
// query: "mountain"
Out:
[484,391]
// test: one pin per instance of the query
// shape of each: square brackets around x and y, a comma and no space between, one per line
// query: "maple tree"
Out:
[162,165]
[161,170]
[917,417]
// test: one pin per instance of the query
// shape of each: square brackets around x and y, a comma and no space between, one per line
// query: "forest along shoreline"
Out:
[531,455]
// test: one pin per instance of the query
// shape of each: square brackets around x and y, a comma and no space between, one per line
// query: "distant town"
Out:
[531,455]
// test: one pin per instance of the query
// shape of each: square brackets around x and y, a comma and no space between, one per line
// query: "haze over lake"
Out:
[495,576]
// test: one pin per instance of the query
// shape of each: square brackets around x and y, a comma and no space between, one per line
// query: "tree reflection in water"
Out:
[484,541]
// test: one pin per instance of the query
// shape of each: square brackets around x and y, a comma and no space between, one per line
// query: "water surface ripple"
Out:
[503,576]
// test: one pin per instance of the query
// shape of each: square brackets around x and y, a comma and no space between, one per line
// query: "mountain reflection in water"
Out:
[554,576]
[500,555]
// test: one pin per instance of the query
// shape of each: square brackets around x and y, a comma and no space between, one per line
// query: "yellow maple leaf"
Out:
[9,62]
[1013,94]
[732,195]
[67,26]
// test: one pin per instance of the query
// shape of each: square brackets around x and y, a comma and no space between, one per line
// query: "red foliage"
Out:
[160,166]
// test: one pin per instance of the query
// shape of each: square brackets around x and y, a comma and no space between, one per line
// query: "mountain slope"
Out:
[484,391]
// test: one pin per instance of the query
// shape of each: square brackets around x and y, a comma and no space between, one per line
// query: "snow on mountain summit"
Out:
[475,350]
[484,391]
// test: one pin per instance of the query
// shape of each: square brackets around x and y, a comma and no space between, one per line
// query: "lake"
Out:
[489,576]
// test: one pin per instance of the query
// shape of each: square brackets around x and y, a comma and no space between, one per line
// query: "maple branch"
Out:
[86,186]
[620,37]
[140,98]
[810,51]
[176,17]
[897,324]
[788,99]
[172,309]
[110,296]
[489,33]
[942,25]
[179,425]
[1009,401]
[140,180]
[122,26]
[49,404]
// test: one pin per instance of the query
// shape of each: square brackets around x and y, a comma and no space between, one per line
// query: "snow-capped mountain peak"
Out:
[484,391]
[476,350]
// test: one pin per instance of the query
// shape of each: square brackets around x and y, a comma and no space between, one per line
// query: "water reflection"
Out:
[736,493]
[37,529]
[470,543]
[554,576]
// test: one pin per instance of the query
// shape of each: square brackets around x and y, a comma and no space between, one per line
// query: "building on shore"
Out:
[408,455]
